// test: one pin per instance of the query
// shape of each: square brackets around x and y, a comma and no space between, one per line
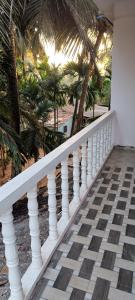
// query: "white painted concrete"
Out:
[123,67]
[26,182]
[13,190]
[123,78]
[30,278]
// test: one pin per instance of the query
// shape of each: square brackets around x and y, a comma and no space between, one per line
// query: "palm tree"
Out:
[9,12]
[37,136]
[92,93]
[106,90]
[35,105]
[21,18]
[78,70]
[74,94]
[55,91]
[34,109]
[92,69]
[10,143]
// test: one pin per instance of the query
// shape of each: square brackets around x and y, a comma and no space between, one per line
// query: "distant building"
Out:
[66,115]
[65,127]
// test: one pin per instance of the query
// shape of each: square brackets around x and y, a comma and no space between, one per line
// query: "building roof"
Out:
[66,113]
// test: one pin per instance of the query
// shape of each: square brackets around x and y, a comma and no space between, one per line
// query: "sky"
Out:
[56,58]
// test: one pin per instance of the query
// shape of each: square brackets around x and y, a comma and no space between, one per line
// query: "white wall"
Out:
[123,78]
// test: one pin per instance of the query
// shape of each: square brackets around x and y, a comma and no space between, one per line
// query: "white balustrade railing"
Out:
[90,149]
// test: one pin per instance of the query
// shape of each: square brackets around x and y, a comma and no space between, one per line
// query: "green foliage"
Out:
[43,67]
[53,139]
[41,90]
[106,91]
[36,101]
[75,91]
[40,87]
[11,143]
[76,69]
[55,90]
[92,93]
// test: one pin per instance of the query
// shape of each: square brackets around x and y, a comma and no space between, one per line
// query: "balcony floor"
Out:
[96,258]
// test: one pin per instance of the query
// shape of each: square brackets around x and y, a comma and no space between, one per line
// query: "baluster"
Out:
[84,169]
[90,159]
[94,154]
[34,228]
[53,233]
[65,201]
[106,139]
[76,177]
[108,146]
[110,134]
[101,146]
[98,150]
[104,145]
[11,255]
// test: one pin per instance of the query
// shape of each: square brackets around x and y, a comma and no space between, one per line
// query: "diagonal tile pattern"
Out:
[96,258]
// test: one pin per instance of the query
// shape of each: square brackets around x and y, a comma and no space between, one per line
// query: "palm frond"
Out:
[76,69]
[47,16]
[32,141]
[10,13]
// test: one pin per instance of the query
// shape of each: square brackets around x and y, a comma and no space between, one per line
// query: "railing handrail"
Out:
[13,190]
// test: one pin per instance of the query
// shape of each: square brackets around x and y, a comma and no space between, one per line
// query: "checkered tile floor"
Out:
[96,259]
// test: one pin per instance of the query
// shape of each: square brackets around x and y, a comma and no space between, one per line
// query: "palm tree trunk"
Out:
[55,113]
[2,161]
[86,81]
[13,93]
[83,96]
[57,118]
[74,117]
[93,108]
[54,119]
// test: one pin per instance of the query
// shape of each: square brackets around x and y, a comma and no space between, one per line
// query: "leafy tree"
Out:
[74,94]
[55,91]
[34,110]
[35,105]
[76,70]
[93,93]
[30,92]
[92,69]
[106,91]
[10,143]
